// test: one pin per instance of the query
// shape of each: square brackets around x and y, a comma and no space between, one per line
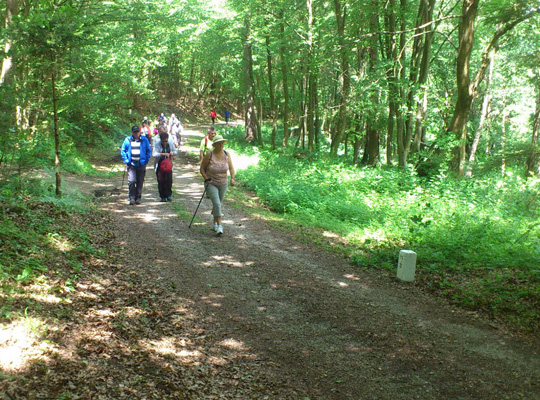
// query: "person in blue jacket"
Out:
[136,153]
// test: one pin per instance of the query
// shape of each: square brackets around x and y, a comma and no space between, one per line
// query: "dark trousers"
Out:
[164,180]
[135,181]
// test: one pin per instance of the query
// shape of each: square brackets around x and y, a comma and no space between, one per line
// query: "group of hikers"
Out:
[215,164]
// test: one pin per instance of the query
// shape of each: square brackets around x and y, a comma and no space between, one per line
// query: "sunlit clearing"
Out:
[18,344]
[232,344]
[59,243]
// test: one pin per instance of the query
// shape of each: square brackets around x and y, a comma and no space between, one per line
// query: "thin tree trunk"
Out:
[391,74]
[503,139]
[418,75]
[318,121]
[483,117]
[303,110]
[533,161]
[261,116]
[56,132]
[421,106]
[12,9]
[271,90]
[284,74]
[251,112]
[310,98]
[357,141]
[345,78]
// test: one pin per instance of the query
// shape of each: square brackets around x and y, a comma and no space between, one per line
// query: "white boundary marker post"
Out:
[406,265]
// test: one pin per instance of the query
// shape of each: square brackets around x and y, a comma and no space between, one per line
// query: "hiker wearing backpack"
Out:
[136,153]
[206,142]
[164,152]
[215,167]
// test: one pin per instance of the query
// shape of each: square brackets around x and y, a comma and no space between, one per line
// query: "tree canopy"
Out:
[427,84]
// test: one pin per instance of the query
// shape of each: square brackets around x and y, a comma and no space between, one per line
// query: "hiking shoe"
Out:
[138,201]
[131,202]
[215,226]
[219,229]
[169,198]
[163,199]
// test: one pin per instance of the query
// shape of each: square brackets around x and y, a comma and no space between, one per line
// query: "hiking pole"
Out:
[206,181]
[123,178]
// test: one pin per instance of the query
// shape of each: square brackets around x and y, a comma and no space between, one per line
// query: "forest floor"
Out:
[254,314]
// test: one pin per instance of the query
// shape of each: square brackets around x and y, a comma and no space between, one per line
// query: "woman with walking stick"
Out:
[215,167]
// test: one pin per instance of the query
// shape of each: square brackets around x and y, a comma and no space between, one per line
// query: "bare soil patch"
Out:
[182,313]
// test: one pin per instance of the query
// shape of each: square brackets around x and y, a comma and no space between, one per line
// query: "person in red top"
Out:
[213,116]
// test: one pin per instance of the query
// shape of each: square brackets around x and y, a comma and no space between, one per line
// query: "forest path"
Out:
[285,320]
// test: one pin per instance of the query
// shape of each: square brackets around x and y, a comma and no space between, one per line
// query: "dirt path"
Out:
[282,320]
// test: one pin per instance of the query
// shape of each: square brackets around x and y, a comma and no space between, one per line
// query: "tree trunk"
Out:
[271,90]
[357,140]
[483,117]
[423,73]
[458,124]
[56,132]
[372,153]
[12,9]
[261,116]
[391,76]
[503,139]
[250,109]
[466,89]
[311,85]
[284,74]
[533,161]
[303,110]
[419,70]
[345,78]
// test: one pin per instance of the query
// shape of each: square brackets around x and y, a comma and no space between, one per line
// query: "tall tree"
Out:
[345,78]
[311,78]
[372,152]
[533,160]
[467,89]
[12,9]
[483,117]
[284,77]
[420,63]
[458,124]
[248,82]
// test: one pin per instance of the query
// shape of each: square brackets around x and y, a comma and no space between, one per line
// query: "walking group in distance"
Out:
[162,144]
